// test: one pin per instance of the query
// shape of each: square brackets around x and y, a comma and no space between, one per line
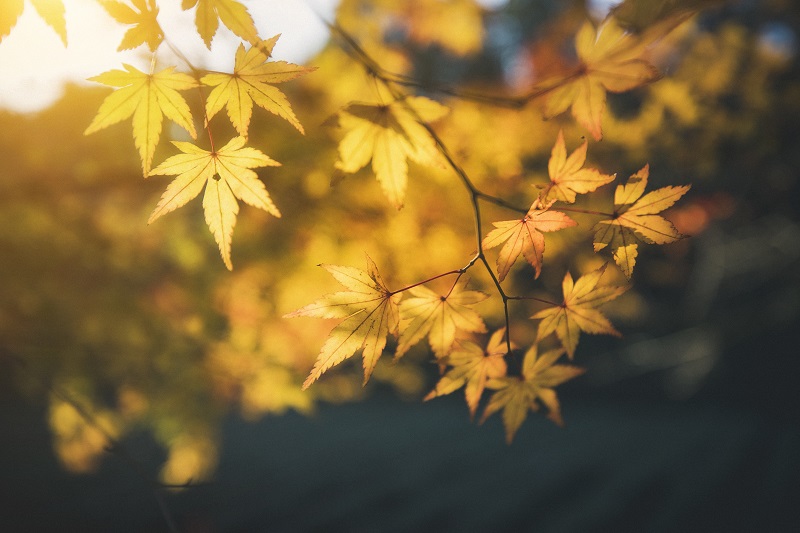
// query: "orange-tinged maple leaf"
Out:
[370,312]
[145,26]
[579,310]
[51,11]
[567,175]
[610,61]
[524,236]
[250,83]
[636,218]
[389,134]
[439,316]
[231,12]
[226,174]
[518,395]
[148,97]
[473,367]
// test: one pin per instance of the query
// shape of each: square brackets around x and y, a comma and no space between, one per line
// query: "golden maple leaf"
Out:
[567,175]
[370,312]
[147,97]
[473,367]
[145,26]
[250,83]
[578,312]
[226,174]
[636,218]
[51,11]
[518,395]
[438,317]
[231,12]
[524,236]
[609,61]
[389,134]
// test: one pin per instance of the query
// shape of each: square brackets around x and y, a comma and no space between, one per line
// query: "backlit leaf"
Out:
[567,175]
[636,219]
[148,97]
[226,174]
[518,395]
[250,83]
[578,312]
[524,236]
[473,367]
[439,316]
[370,312]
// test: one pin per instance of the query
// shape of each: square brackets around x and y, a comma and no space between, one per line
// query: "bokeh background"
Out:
[116,332]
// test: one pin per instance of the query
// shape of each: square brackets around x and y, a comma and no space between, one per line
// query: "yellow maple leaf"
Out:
[567,175]
[226,174]
[250,83]
[518,395]
[578,312]
[389,134]
[473,367]
[231,12]
[51,11]
[609,61]
[145,26]
[370,312]
[524,236]
[148,97]
[439,316]
[636,218]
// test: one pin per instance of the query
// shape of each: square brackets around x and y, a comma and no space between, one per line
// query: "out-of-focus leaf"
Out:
[389,134]
[145,26]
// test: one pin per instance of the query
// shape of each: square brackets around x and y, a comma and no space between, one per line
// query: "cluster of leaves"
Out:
[387,132]
[149,96]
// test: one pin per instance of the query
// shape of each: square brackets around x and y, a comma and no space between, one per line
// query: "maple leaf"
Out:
[518,395]
[609,61]
[250,83]
[567,175]
[389,134]
[438,317]
[636,219]
[370,312]
[232,13]
[145,26]
[148,97]
[524,236]
[226,174]
[578,311]
[51,11]
[473,367]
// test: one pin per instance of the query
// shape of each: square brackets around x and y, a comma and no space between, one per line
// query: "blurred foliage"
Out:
[147,330]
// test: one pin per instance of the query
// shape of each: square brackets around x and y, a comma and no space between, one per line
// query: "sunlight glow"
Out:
[34,65]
